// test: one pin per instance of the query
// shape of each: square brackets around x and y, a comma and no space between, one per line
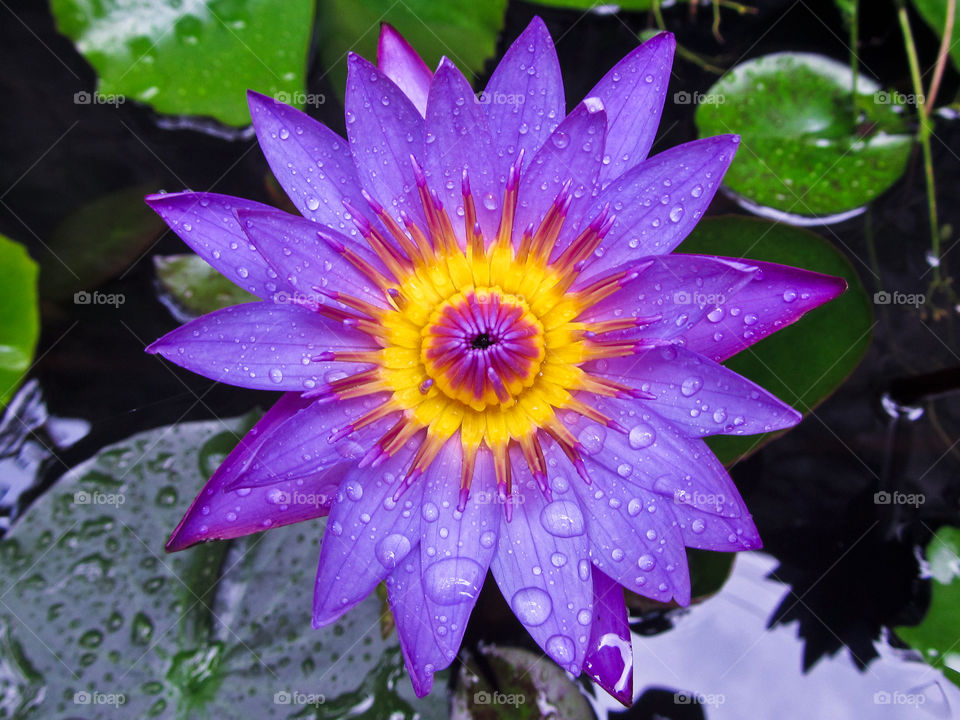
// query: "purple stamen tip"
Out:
[426,385]
[371,201]
[418,175]
[465,183]
[325,356]
[462,500]
[335,245]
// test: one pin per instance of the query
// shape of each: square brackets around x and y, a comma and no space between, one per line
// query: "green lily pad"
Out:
[191,58]
[935,637]
[19,317]
[98,242]
[934,13]
[463,30]
[525,687]
[804,149]
[195,287]
[97,621]
[802,364]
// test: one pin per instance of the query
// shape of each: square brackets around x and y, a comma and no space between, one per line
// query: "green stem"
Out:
[854,45]
[924,131]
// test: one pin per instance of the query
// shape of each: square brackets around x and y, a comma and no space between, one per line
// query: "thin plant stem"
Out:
[942,54]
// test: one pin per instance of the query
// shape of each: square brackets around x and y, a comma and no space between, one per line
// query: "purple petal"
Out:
[367,537]
[709,532]
[655,456]
[697,395]
[260,345]
[385,129]
[303,255]
[457,137]
[610,653]
[658,202]
[218,514]
[207,222]
[777,296]
[456,548]
[542,567]
[633,93]
[529,70]
[574,151]
[314,440]
[311,162]
[633,537]
[671,292]
[421,653]
[404,66]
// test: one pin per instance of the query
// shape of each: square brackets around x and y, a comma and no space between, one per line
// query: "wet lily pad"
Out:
[19,317]
[804,363]
[935,637]
[194,287]
[524,687]
[805,149]
[191,58]
[97,621]
[463,30]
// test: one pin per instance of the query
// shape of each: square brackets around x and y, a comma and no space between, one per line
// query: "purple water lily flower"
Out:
[490,358]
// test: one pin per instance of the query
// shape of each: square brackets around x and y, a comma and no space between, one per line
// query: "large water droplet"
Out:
[392,549]
[641,436]
[561,649]
[691,386]
[453,580]
[562,518]
[531,605]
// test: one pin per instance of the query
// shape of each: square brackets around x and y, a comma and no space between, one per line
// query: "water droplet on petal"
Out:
[641,436]
[532,606]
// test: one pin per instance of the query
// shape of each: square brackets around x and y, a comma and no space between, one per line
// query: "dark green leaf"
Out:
[805,362]
[195,287]
[804,149]
[463,30]
[936,637]
[94,605]
[191,58]
[98,242]
[19,318]
[934,12]
[524,684]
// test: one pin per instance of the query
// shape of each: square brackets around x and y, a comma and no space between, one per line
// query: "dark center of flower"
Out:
[482,347]
[482,341]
